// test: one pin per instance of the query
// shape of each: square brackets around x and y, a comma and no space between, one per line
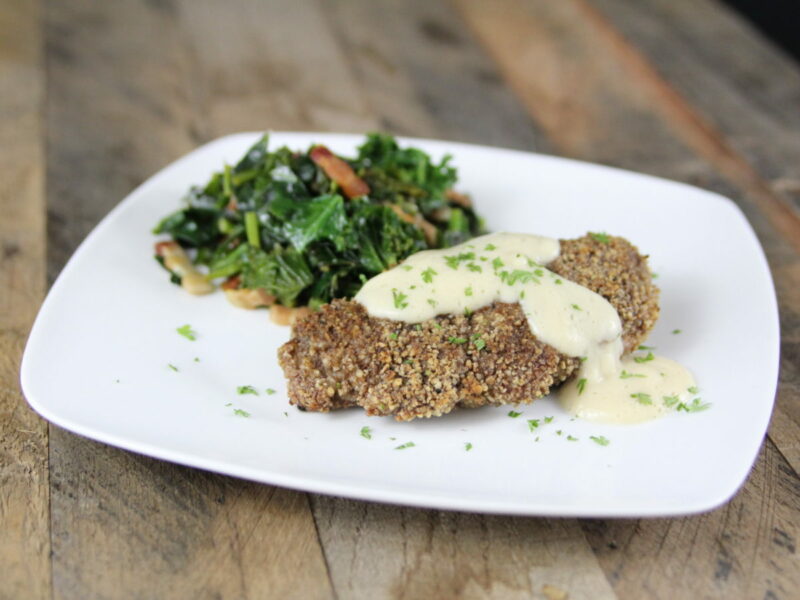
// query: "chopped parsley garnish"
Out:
[196,359]
[270,391]
[246,389]
[468,446]
[693,389]
[599,439]
[432,302]
[468,291]
[490,247]
[581,385]
[418,326]
[453,261]
[366,432]
[559,432]
[603,238]
[457,340]
[187,332]
[173,367]
[467,311]
[478,341]
[427,275]
[558,282]
[399,298]
[240,413]
[670,401]
[572,438]
[229,404]
[474,268]
[646,348]
[514,414]
[626,375]
[407,267]
[533,424]
[676,331]
[548,419]
[576,307]
[696,405]
[642,398]
[497,263]
[393,335]
[654,275]
[406,445]
[644,359]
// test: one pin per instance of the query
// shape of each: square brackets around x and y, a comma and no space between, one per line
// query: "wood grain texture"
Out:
[130,90]
[433,554]
[598,99]
[24,515]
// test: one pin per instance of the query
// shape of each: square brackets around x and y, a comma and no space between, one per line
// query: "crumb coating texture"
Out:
[340,356]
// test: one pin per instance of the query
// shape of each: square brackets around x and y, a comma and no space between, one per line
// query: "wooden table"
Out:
[96,96]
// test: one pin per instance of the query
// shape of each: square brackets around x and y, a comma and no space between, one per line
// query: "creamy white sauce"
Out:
[507,267]
[638,391]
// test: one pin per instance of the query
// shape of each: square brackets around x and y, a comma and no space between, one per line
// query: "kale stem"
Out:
[251,228]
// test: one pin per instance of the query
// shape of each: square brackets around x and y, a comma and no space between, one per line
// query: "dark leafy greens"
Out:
[282,221]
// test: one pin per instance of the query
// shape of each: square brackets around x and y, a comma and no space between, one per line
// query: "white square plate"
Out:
[97,359]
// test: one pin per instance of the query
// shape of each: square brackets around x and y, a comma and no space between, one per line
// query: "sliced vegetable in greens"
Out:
[308,227]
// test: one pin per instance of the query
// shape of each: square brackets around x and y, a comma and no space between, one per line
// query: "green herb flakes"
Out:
[676,331]
[626,375]
[581,385]
[548,419]
[457,340]
[576,307]
[428,275]
[399,298]
[644,359]
[468,446]
[478,342]
[468,291]
[696,405]
[514,414]
[599,439]
[693,389]
[603,238]
[645,348]
[366,432]
[246,389]
[490,247]
[241,413]
[670,401]
[393,335]
[572,438]
[642,398]
[404,446]
[270,391]
[533,424]
[173,367]
[187,332]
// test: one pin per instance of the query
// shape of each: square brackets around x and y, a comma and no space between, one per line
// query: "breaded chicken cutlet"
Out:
[340,356]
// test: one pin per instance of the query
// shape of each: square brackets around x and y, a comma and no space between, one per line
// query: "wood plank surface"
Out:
[24,493]
[132,85]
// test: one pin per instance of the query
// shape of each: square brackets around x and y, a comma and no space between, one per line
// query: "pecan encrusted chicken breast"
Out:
[340,356]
